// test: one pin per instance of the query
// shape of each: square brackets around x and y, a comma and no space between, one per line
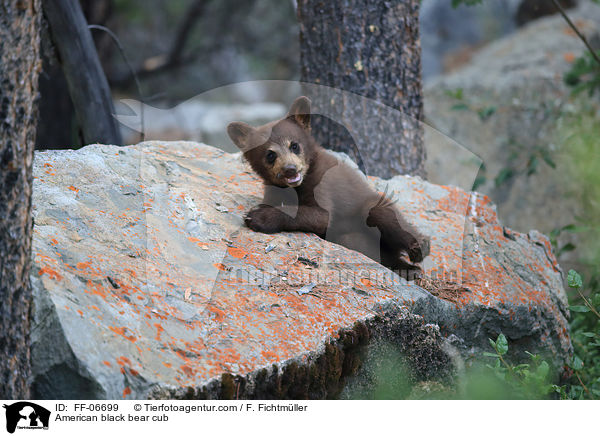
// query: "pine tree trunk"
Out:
[19,69]
[371,48]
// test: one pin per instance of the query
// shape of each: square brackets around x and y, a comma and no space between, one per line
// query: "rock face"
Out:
[147,284]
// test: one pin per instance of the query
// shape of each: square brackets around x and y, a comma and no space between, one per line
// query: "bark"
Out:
[19,69]
[371,48]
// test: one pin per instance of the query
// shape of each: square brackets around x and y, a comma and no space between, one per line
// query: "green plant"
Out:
[481,177]
[527,380]
[584,75]
[384,375]
[577,140]
[579,152]
[523,161]
[484,112]
[585,334]
[554,235]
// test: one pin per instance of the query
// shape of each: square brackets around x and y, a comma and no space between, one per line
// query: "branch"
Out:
[173,59]
[194,12]
[588,304]
[132,72]
[576,30]
[581,383]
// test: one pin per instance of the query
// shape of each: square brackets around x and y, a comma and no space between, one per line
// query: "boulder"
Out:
[148,285]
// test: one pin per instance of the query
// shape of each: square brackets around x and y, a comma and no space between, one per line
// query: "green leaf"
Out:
[574,279]
[503,176]
[485,353]
[534,357]
[562,390]
[567,247]
[532,165]
[460,107]
[575,228]
[554,233]
[596,300]
[584,75]
[547,157]
[582,309]
[501,344]
[589,334]
[457,93]
[479,180]
[486,112]
[569,227]
[576,363]
[543,369]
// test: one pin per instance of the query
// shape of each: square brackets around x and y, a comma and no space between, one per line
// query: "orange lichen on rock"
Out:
[55,275]
[186,292]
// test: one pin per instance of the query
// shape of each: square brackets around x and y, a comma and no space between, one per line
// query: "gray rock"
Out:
[445,30]
[143,288]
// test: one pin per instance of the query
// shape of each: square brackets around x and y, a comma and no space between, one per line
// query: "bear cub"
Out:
[308,189]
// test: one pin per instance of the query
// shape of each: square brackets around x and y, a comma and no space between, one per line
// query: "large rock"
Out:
[147,284]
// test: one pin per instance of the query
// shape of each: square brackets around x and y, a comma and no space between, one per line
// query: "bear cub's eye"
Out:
[295,147]
[271,156]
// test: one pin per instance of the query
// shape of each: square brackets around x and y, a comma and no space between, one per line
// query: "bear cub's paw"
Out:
[265,219]
[419,250]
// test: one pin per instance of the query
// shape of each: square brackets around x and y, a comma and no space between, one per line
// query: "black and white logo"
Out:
[26,415]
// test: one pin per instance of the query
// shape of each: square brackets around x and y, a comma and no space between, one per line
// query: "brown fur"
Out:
[308,189]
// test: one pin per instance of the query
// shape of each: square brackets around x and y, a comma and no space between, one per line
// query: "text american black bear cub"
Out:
[309,189]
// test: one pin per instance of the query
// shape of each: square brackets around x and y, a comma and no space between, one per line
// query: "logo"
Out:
[26,415]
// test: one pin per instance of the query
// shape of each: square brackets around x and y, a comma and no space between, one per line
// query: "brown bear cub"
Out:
[308,189]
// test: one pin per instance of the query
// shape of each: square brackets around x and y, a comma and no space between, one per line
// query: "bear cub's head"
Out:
[281,151]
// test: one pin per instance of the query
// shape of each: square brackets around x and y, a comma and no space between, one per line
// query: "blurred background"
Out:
[179,49]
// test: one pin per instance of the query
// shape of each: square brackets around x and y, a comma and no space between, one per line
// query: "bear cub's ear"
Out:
[240,134]
[300,111]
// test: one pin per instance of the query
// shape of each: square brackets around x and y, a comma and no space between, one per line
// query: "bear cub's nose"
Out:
[289,171]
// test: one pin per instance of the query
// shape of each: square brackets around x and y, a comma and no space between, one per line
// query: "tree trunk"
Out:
[57,126]
[19,69]
[370,48]
[87,83]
